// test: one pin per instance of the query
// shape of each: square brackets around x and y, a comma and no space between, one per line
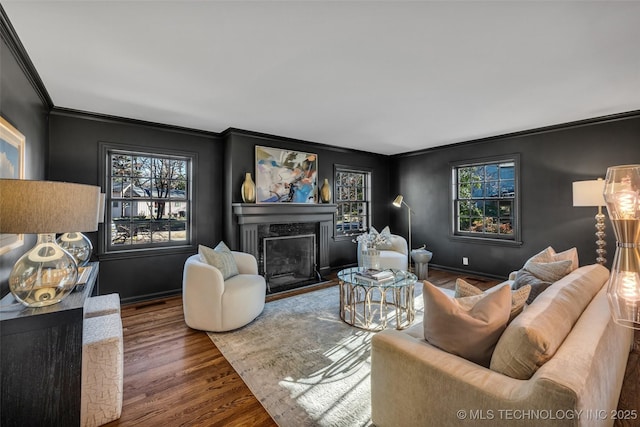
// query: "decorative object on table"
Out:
[285,176]
[47,273]
[248,189]
[78,245]
[375,275]
[398,202]
[589,193]
[421,258]
[369,245]
[325,192]
[12,152]
[622,194]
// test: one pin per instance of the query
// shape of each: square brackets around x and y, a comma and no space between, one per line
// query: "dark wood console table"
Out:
[41,356]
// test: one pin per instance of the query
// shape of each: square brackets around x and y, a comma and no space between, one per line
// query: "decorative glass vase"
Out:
[325,192]
[370,258]
[45,275]
[248,189]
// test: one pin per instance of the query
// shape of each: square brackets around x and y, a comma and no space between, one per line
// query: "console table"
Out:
[41,359]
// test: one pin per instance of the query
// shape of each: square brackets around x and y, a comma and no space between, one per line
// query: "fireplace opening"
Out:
[289,261]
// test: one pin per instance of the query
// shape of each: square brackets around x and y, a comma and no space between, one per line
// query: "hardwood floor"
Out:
[175,376]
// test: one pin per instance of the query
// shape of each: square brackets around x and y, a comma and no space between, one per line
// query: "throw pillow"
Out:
[221,258]
[549,271]
[536,286]
[569,254]
[386,233]
[468,295]
[471,334]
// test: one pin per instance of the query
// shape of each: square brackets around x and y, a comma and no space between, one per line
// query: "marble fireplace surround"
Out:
[250,216]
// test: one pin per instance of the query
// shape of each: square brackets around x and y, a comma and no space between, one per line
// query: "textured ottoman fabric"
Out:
[102,305]
[102,369]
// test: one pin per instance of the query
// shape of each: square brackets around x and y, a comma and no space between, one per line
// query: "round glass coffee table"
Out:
[372,305]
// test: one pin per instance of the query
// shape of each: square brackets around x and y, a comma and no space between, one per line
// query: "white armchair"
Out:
[213,304]
[396,257]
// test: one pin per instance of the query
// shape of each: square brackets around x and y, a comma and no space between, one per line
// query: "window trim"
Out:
[486,239]
[369,195]
[104,230]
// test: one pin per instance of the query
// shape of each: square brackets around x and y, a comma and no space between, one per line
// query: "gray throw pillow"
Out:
[524,278]
[221,258]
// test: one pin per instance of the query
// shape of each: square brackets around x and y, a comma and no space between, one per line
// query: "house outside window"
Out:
[148,200]
[486,200]
[353,197]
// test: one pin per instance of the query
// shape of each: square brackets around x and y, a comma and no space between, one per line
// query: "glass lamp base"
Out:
[45,275]
[78,245]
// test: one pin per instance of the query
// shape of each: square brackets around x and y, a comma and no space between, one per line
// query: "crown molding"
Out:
[544,129]
[10,37]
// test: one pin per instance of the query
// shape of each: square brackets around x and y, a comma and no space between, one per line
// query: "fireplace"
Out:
[290,241]
[289,261]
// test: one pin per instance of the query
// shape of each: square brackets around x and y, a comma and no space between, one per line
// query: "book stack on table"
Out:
[376,276]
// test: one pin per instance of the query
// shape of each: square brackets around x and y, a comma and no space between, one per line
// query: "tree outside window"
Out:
[485,199]
[149,200]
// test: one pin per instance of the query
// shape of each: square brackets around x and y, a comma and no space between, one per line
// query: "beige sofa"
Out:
[416,384]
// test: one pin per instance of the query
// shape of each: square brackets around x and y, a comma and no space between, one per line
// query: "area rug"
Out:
[306,366]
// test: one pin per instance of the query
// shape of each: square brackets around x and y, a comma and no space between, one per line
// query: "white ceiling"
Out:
[382,76]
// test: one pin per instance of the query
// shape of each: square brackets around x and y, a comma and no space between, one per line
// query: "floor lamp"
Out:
[622,194]
[398,202]
[589,193]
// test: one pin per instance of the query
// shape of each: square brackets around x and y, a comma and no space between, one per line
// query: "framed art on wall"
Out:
[11,166]
[285,176]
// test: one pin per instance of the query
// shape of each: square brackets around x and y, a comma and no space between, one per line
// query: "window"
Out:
[148,196]
[485,199]
[353,197]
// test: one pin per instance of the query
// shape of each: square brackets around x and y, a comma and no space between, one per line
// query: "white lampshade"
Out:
[588,193]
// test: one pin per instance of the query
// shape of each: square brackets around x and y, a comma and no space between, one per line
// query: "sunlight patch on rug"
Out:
[306,366]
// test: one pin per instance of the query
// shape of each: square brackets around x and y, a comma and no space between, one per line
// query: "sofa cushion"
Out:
[471,334]
[468,295]
[221,258]
[535,335]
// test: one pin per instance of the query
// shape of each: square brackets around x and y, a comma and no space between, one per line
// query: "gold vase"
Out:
[248,189]
[325,192]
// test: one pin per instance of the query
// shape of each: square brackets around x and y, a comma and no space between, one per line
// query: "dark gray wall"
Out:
[240,158]
[22,105]
[551,160]
[75,156]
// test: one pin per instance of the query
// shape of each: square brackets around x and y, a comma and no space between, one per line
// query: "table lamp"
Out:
[589,193]
[47,273]
[78,244]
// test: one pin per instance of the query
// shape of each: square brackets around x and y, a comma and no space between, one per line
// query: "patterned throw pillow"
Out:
[468,295]
[387,234]
[221,258]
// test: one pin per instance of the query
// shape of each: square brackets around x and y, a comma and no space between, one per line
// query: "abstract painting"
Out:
[285,176]
[11,166]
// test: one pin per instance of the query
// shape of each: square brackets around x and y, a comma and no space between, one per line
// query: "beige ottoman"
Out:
[102,368]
